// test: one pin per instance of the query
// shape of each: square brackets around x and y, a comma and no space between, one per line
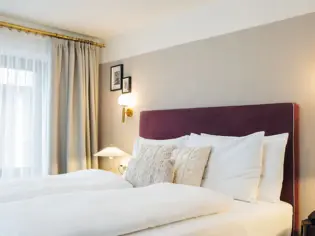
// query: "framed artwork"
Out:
[126,85]
[116,75]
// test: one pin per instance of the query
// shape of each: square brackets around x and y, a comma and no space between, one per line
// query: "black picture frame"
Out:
[126,85]
[116,79]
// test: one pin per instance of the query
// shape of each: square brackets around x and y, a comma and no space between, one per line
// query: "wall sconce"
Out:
[126,101]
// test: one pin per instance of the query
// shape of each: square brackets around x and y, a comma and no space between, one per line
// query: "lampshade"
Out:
[110,152]
[126,100]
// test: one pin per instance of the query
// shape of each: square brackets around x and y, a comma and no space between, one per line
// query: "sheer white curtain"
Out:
[24,99]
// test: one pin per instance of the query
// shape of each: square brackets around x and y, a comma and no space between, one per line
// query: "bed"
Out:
[235,121]
[244,219]
[96,203]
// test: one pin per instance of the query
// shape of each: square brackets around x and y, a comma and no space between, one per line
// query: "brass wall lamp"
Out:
[127,101]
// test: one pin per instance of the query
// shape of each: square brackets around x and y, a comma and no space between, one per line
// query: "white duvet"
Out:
[16,190]
[109,212]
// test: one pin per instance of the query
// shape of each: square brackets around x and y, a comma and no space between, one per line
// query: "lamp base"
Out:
[122,169]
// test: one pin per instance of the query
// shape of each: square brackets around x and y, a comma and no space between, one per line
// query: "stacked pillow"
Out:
[271,177]
[177,142]
[152,165]
[248,168]
[190,163]
[272,168]
[234,167]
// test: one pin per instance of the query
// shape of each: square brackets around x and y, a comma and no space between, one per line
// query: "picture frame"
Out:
[116,76]
[126,84]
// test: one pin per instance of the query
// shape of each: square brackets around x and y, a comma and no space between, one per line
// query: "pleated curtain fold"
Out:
[73,115]
[48,105]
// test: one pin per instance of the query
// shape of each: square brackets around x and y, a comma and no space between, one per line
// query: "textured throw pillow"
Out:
[152,165]
[190,164]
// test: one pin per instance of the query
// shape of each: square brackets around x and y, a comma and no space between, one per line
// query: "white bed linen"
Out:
[85,180]
[109,212]
[244,219]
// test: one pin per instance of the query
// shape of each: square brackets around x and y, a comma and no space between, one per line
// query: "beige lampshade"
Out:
[111,152]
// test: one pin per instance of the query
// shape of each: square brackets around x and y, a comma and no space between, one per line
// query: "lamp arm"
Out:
[123,117]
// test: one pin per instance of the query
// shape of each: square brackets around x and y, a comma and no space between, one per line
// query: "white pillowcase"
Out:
[272,168]
[272,174]
[234,166]
[177,142]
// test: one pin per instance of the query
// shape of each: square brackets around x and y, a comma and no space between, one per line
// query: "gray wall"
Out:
[268,64]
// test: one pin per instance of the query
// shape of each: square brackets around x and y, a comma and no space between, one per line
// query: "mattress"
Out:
[244,219]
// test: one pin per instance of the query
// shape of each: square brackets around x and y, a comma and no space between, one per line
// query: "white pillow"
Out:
[234,165]
[272,174]
[178,142]
[272,168]
[190,164]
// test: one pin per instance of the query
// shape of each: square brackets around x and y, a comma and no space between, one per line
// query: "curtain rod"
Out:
[49,34]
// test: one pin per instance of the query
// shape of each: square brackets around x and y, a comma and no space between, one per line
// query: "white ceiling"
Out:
[134,27]
[214,19]
[98,18]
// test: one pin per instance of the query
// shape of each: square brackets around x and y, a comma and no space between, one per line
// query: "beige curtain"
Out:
[74,106]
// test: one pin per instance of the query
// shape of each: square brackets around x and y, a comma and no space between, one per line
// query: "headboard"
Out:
[234,121]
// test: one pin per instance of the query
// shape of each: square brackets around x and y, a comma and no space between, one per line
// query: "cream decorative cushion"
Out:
[152,165]
[190,163]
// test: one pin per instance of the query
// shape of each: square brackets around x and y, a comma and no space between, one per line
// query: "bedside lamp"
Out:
[126,101]
[111,152]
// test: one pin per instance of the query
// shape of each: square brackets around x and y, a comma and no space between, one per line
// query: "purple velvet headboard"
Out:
[234,121]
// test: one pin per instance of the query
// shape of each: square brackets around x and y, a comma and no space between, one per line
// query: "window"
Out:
[23,117]
[19,83]
[16,77]
[24,82]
